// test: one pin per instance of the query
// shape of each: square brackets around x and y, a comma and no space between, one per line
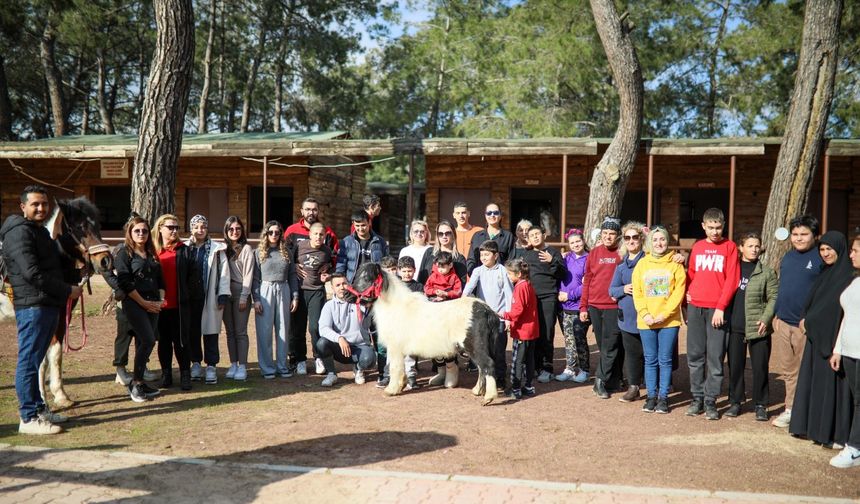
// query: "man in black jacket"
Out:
[34,270]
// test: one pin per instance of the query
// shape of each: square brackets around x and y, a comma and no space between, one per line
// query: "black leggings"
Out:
[543,347]
[737,359]
[145,326]
[170,341]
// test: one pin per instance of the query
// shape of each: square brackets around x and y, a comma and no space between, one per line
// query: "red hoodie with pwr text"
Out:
[713,274]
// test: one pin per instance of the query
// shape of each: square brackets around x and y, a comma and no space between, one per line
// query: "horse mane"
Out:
[81,207]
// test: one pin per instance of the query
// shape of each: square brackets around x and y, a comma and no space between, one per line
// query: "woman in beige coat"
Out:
[240,260]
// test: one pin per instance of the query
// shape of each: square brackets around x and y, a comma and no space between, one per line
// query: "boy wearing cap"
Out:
[597,306]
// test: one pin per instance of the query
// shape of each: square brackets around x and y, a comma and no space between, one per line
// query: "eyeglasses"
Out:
[140,231]
[490,213]
[171,228]
[445,233]
[631,237]
[272,232]
[419,231]
[234,230]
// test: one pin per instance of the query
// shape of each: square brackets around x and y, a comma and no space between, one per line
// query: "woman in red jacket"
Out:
[522,320]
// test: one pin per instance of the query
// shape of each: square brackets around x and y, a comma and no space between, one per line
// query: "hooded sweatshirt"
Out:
[449,282]
[658,289]
[339,318]
[572,282]
[714,274]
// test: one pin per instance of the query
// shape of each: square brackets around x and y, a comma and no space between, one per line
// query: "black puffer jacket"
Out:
[33,262]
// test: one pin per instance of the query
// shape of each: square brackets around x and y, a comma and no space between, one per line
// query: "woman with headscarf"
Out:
[822,403]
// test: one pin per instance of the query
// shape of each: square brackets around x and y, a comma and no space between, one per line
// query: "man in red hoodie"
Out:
[712,278]
[598,306]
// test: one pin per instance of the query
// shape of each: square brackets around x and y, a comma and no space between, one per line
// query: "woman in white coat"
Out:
[215,273]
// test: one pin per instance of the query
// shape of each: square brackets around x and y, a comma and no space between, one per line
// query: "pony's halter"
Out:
[371,293]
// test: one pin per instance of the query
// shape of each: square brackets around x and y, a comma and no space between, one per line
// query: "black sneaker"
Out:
[734,410]
[649,405]
[600,389]
[136,394]
[382,382]
[662,405]
[514,394]
[166,379]
[711,412]
[696,407]
[529,391]
[185,380]
[761,413]
[149,391]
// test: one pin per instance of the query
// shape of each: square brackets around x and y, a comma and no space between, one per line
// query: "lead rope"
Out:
[67,346]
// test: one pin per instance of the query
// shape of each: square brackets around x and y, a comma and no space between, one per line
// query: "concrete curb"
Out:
[558,486]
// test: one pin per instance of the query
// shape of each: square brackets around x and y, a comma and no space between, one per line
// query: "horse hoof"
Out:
[487,401]
[391,391]
[64,403]
[477,391]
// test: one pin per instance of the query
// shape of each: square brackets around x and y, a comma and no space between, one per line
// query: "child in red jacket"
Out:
[443,283]
[522,320]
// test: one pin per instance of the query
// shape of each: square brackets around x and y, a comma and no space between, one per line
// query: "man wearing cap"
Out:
[601,309]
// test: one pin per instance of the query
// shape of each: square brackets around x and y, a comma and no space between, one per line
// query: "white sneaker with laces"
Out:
[122,376]
[51,417]
[320,367]
[359,376]
[565,375]
[783,419]
[241,373]
[544,377]
[302,368]
[38,427]
[196,371]
[848,457]
[231,373]
[149,375]
[211,375]
[329,380]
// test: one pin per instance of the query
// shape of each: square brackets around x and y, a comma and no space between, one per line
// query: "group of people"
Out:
[630,287]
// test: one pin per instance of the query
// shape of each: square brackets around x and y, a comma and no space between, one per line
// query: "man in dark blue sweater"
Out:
[797,272]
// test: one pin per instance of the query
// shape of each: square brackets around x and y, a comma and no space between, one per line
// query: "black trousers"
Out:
[124,335]
[547,308]
[609,339]
[737,359]
[306,318]
[208,353]
[500,355]
[523,357]
[170,341]
[145,327]
[634,358]
[851,367]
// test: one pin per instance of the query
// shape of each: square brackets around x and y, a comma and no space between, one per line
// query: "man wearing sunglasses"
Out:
[504,238]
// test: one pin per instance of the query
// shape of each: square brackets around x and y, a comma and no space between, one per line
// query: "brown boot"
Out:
[631,395]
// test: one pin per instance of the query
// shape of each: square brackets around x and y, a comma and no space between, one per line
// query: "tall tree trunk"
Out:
[53,78]
[222,89]
[5,104]
[253,67]
[232,102]
[440,81]
[107,120]
[202,112]
[807,120]
[85,115]
[279,85]
[609,180]
[164,107]
[712,69]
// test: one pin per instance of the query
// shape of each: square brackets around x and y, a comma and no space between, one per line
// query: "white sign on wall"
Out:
[114,168]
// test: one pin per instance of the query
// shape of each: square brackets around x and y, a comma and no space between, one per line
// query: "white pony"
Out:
[408,324]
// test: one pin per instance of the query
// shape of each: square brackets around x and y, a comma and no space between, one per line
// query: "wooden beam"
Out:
[265,188]
[825,194]
[732,174]
[650,213]
[410,196]
[563,219]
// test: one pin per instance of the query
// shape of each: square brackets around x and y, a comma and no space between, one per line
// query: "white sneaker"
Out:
[565,375]
[783,419]
[149,375]
[38,427]
[359,376]
[51,417]
[329,380]
[211,375]
[302,368]
[241,373]
[848,457]
[122,376]
[231,373]
[580,377]
[196,371]
[320,367]
[544,377]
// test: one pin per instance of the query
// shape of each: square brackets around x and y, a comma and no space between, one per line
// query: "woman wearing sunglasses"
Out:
[181,283]
[446,241]
[240,259]
[418,249]
[276,295]
[138,274]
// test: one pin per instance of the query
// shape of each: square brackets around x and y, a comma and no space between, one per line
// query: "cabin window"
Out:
[279,207]
[114,204]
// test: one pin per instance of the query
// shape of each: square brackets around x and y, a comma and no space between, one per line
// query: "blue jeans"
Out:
[36,326]
[658,345]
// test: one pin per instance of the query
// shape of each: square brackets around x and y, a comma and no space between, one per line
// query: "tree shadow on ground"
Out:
[236,477]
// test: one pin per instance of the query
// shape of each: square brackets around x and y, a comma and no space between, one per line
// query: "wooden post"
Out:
[265,187]
[732,171]
[563,216]
[410,196]
[650,214]
[825,192]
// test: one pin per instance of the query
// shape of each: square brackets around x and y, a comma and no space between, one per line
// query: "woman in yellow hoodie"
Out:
[659,285]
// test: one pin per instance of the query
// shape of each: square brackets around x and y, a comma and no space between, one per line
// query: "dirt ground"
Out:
[564,433]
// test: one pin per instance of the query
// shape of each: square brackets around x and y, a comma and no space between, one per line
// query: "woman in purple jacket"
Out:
[575,342]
